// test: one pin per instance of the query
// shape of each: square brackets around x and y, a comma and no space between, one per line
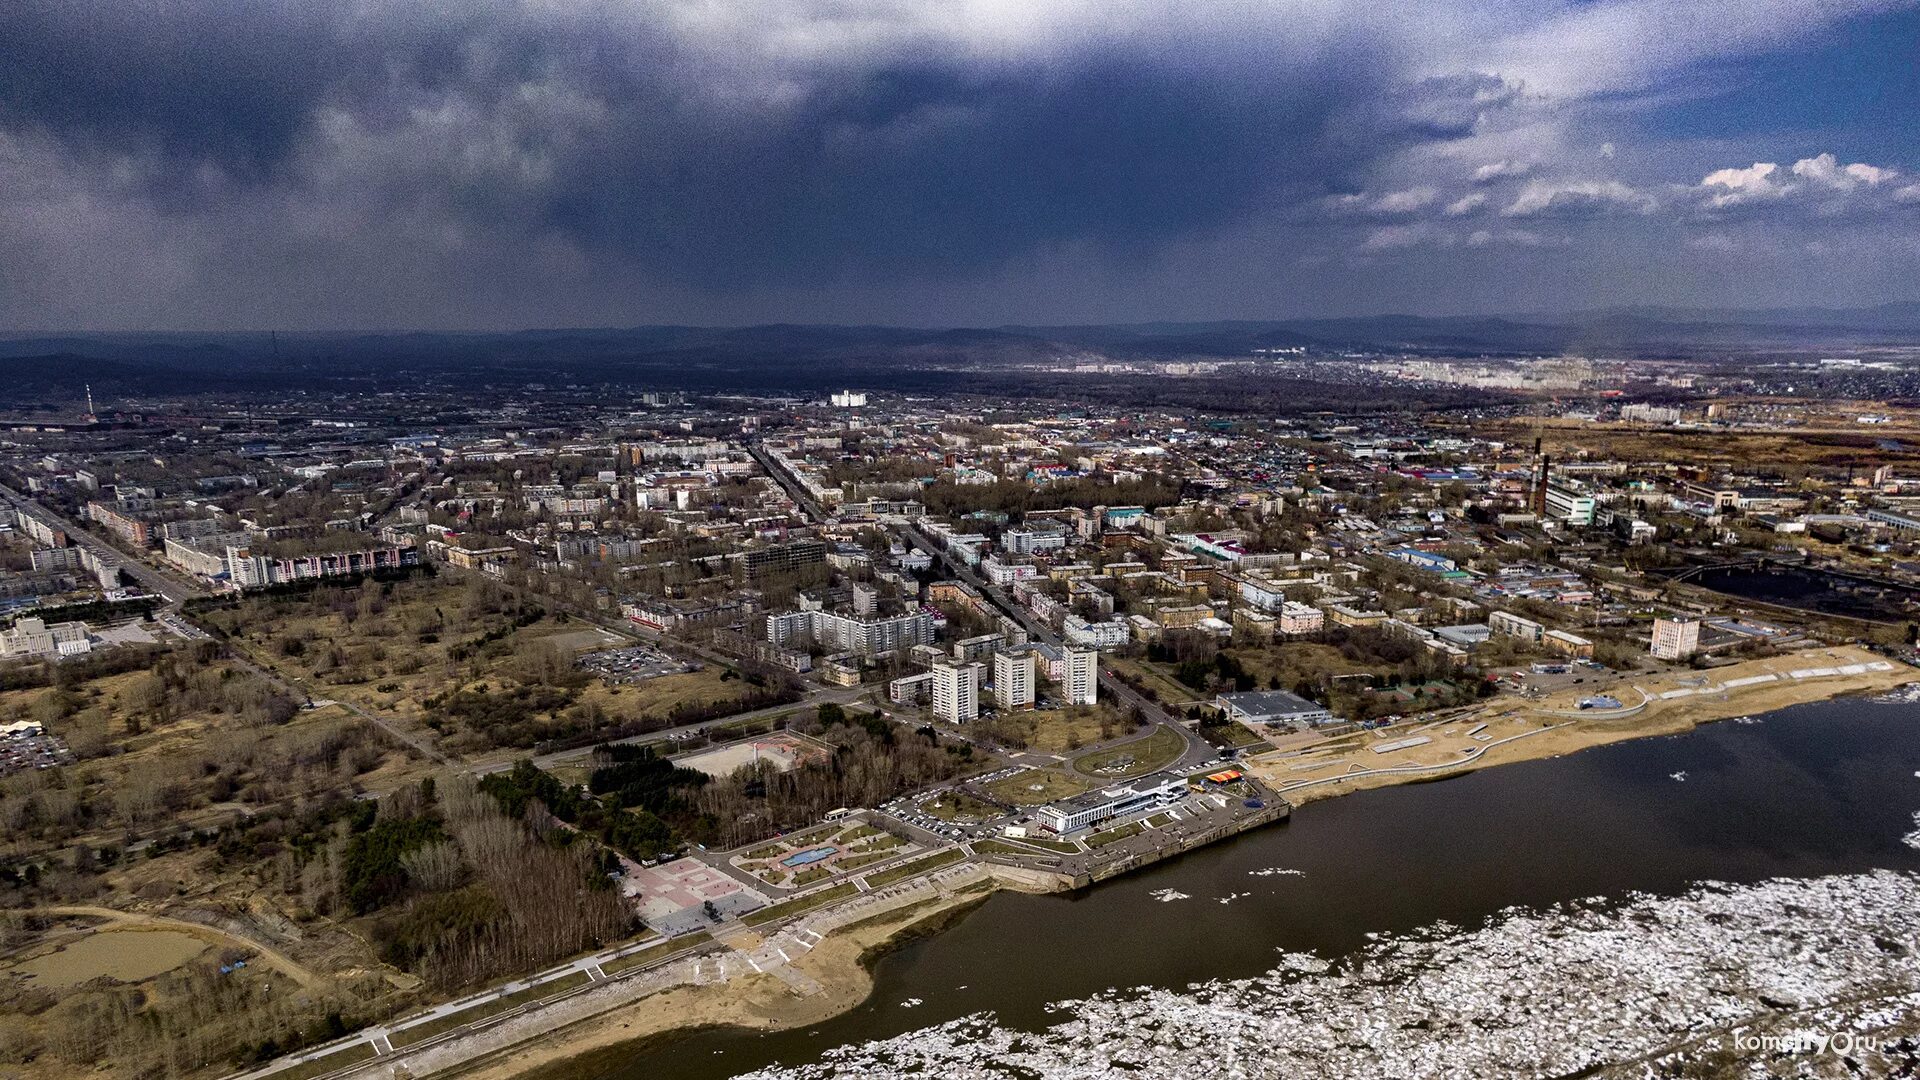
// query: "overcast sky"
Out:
[358,164]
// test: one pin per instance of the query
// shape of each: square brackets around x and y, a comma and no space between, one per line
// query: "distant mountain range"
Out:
[797,356]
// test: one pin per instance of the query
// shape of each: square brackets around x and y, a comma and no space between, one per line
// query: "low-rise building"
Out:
[1148,793]
[1273,707]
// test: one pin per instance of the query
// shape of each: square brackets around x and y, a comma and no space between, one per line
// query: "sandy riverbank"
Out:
[561,1047]
[839,964]
[1531,730]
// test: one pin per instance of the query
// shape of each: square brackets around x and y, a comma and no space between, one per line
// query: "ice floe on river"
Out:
[1774,976]
[1276,871]
[1912,839]
[1168,896]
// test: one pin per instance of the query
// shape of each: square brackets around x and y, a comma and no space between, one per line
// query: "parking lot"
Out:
[19,753]
[635,663]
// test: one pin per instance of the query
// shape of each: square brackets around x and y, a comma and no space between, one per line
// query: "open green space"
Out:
[915,868]
[959,806]
[321,1066]
[654,952]
[1137,758]
[794,907]
[1114,835]
[1000,847]
[1036,786]
[538,992]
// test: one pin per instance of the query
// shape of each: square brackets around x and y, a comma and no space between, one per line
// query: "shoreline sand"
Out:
[1549,727]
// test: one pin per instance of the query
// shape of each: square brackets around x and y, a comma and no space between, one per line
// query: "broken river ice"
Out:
[1750,980]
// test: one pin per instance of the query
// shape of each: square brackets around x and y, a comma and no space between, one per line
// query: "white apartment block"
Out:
[1300,619]
[1082,682]
[956,692]
[1675,639]
[1013,678]
[1506,622]
[1107,634]
[842,633]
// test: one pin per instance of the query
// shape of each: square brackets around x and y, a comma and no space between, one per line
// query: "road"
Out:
[173,587]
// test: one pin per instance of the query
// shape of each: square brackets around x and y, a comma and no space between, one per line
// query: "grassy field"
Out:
[954,805]
[393,650]
[1152,675]
[654,952]
[1036,786]
[795,907]
[422,1032]
[1831,449]
[1114,835]
[915,868]
[1057,731]
[1238,736]
[321,1066]
[1061,846]
[1158,750]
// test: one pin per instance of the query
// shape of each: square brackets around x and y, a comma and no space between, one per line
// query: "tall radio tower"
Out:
[92,417]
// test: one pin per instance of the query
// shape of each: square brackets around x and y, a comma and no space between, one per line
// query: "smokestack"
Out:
[1540,477]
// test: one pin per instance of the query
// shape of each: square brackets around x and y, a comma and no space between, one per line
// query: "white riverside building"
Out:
[1152,792]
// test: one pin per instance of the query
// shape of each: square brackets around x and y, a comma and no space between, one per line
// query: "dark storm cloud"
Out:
[522,161]
[625,138]
[186,85]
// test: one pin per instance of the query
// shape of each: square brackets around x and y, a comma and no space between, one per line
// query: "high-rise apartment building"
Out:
[1082,682]
[1013,677]
[956,691]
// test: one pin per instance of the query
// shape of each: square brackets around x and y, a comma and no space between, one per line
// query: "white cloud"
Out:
[1513,237]
[1732,186]
[1466,204]
[1386,204]
[1405,202]
[1820,175]
[1908,194]
[1501,170]
[1826,170]
[1541,197]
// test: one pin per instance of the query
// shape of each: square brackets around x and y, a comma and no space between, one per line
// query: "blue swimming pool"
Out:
[811,855]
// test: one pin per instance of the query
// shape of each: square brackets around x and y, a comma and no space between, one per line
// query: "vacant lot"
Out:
[1055,731]
[1037,786]
[1137,758]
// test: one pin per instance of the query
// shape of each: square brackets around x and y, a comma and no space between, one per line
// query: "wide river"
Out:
[1817,789]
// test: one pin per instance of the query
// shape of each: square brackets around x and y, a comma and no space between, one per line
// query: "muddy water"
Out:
[1817,789]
